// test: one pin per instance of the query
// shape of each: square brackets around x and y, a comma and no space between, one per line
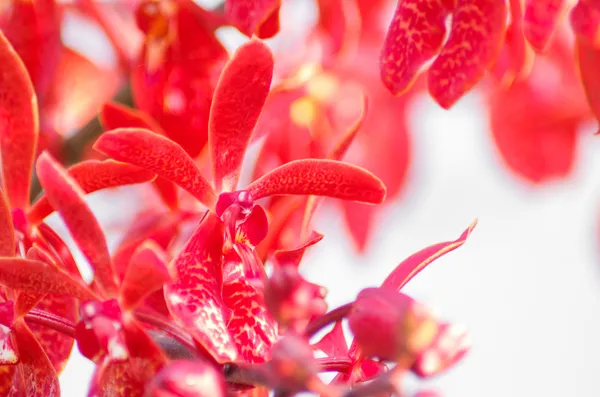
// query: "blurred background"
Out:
[527,282]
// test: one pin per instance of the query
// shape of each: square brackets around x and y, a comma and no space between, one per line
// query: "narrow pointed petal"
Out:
[67,197]
[478,29]
[411,266]
[588,61]
[585,21]
[146,273]
[160,155]
[7,230]
[39,377]
[320,178]
[238,101]
[249,15]
[194,298]
[294,256]
[34,276]
[334,342]
[415,35]
[541,20]
[91,176]
[18,126]
[339,24]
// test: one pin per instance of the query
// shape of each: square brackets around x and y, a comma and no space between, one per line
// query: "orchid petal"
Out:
[7,230]
[249,15]
[320,178]
[238,101]
[67,197]
[478,29]
[294,256]
[541,20]
[588,61]
[91,176]
[18,126]
[411,266]
[334,342]
[157,154]
[585,21]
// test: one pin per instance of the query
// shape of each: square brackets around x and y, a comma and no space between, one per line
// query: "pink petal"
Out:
[18,126]
[237,103]
[320,178]
[194,298]
[157,154]
[146,273]
[67,197]
[411,266]
[585,21]
[34,276]
[91,176]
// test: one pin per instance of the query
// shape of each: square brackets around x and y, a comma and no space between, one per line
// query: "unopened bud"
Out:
[450,345]
[390,325]
[187,378]
[293,363]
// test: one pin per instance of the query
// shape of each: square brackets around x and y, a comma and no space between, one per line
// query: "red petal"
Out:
[320,178]
[251,326]
[194,299]
[146,273]
[541,20]
[478,29]
[39,379]
[67,197]
[33,28]
[585,20]
[18,126]
[588,60]
[160,155]
[334,342]
[91,176]
[249,15]
[28,275]
[360,220]
[415,35]
[239,98]
[294,256]
[114,115]
[411,266]
[7,230]
[57,345]
[340,25]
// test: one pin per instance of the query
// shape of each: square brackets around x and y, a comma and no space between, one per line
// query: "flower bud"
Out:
[291,299]
[450,345]
[390,325]
[187,378]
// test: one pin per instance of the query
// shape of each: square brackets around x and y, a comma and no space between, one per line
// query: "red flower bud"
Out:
[390,325]
[291,299]
[451,344]
[186,378]
[293,363]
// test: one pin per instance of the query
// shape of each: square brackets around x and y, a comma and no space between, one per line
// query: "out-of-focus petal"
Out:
[249,15]
[588,60]
[334,342]
[7,230]
[585,21]
[541,20]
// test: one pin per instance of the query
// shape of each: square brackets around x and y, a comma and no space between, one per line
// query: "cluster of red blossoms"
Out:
[203,295]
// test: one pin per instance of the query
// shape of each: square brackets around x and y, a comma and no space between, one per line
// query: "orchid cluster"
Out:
[203,295]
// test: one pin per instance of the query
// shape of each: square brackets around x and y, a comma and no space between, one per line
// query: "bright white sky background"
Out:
[526,284]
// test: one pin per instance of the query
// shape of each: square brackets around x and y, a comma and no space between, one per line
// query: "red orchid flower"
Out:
[227,255]
[365,367]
